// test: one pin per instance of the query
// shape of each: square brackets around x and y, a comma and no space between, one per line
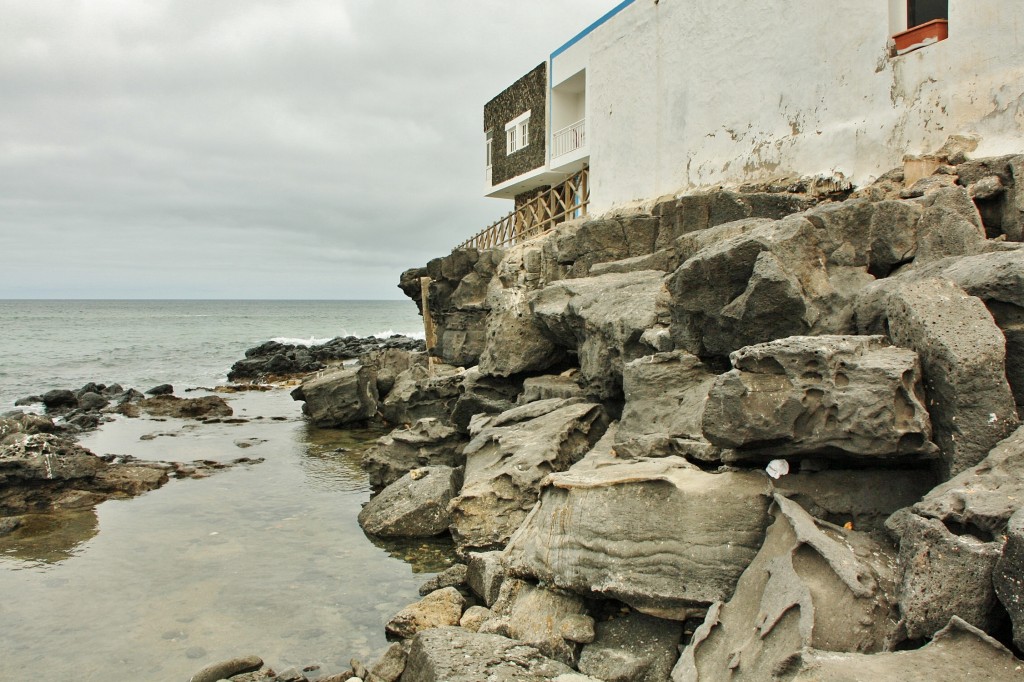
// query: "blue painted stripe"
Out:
[582,34]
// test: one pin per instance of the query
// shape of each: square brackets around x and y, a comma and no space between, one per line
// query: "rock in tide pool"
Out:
[229,668]
[604,531]
[339,397]
[414,506]
[811,585]
[853,395]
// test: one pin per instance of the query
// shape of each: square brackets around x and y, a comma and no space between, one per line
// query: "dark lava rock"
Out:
[59,399]
[276,359]
[162,389]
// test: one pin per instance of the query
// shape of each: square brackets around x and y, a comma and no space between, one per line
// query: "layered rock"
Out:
[508,458]
[603,531]
[852,395]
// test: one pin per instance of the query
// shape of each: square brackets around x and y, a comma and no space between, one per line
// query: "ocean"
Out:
[263,559]
[51,344]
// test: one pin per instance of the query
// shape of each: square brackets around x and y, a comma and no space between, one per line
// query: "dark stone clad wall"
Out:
[529,93]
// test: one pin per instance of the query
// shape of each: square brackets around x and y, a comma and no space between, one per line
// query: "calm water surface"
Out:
[262,559]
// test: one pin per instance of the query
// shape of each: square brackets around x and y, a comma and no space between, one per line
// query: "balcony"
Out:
[569,139]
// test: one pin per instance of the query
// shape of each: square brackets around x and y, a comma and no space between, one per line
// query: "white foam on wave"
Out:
[311,341]
[389,333]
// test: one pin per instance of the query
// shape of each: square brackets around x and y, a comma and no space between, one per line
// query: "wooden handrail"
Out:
[563,202]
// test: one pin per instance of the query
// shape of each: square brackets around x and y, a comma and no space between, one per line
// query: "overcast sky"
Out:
[250,148]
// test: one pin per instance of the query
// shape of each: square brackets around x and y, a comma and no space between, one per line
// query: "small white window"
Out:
[517,133]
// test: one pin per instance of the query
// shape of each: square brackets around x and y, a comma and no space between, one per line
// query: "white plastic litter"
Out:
[777,468]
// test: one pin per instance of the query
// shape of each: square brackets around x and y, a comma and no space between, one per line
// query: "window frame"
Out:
[517,133]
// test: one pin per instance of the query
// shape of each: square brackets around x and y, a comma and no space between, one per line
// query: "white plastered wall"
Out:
[684,94]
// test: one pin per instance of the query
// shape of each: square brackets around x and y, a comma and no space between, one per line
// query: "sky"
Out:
[288,149]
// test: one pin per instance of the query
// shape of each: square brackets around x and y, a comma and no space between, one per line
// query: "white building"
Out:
[664,96]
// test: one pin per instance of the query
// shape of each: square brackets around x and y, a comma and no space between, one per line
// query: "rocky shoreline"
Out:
[749,434]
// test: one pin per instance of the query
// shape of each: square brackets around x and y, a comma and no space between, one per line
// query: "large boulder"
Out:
[515,341]
[606,239]
[665,398]
[421,392]
[507,459]
[388,363]
[603,320]
[997,187]
[951,540]
[449,654]
[957,652]
[811,585]
[414,506]
[962,356]
[339,397]
[602,530]
[632,647]
[853,395]
[1009,576]
[425,443]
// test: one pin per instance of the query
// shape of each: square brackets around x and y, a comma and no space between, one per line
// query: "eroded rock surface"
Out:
[853,395]
[811,585]
[339,397]
[414,506]
[510,456]
[425,443]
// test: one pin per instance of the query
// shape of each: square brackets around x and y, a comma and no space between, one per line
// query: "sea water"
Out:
[262,559]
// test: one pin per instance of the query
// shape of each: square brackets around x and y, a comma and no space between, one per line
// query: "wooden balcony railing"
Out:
[567,201]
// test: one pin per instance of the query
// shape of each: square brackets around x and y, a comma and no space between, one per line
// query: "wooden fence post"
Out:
[428,322]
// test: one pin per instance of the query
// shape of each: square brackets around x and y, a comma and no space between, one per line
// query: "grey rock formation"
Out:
[386,364]
[539,617]
[632,648]
[665,397]
[436,610]
[957,652]
[602,530]
[603,319]
[414,506]
[549,386]
[229,668]
[951,540]
[426,442]
[485,574]
[506,461]
[605,239]
[419,393]
[458,655]
[811,585]
[339,397]
[480,394]
[854,395]
[962,356]
[1009,575]
[515,341]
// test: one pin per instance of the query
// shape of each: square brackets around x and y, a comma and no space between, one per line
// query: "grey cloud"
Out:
[249,148]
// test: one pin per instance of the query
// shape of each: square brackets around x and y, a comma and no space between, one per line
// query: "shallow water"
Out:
[265,559]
